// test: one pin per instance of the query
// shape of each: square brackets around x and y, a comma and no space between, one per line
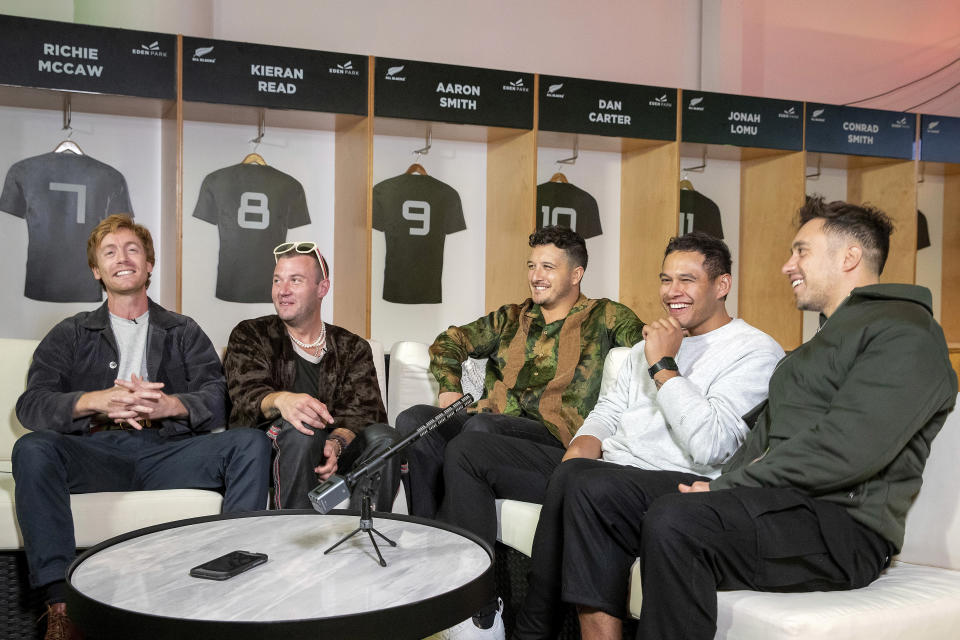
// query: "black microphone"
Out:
[336,488]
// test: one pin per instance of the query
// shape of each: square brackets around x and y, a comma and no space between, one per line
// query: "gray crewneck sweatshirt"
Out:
[692,424]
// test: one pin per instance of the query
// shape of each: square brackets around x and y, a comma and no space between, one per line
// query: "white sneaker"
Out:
[470,630]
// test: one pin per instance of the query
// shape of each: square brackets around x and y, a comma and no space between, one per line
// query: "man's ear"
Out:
[852,257]
[724,283]
[96,272]
[577,275]
[324,287]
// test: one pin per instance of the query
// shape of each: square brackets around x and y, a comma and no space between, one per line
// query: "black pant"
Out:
[478,468]
[542,614]
[49,466]
[691,545]
[425,487]
[297,454]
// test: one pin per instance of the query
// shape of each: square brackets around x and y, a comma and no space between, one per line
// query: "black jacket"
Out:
[852,412]
[76,357]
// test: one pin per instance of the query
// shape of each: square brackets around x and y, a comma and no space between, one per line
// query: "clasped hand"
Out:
[136,400]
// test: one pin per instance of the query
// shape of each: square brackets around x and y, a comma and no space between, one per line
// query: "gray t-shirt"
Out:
[131,338]
[253,206]
[62,196]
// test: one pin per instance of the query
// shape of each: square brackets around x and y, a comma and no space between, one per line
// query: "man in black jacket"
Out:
[121,399]
[817,496]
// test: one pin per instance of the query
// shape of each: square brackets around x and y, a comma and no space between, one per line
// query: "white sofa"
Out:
[917,597]
[96,516]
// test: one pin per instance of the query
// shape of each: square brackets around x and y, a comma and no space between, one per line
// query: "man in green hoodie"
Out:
[817,496]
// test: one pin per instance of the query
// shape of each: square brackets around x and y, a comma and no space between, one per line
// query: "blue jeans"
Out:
[49,466]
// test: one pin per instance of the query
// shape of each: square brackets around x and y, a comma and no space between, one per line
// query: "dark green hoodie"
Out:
[852,412]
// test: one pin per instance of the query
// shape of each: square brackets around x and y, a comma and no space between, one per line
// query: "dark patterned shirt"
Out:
[546,372]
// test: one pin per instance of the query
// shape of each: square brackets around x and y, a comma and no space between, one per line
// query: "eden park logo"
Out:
[152,49]
[662,101]
[902,123]
[344,69]
[790,114]
[516,85]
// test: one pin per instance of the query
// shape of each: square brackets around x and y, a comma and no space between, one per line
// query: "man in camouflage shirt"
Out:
[544,364]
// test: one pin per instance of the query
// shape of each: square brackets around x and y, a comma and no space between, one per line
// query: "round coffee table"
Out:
[138,584]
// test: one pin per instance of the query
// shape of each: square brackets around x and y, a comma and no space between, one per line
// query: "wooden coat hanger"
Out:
[416,167]
[559,177]
[254,158]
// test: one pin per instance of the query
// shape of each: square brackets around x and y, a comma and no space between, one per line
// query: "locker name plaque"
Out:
[451,93]
[573,105]
[860,132]
[76,57]
[743,121]
[939,139]
[258,75]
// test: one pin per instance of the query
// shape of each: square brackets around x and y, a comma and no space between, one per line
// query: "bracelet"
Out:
[341,443]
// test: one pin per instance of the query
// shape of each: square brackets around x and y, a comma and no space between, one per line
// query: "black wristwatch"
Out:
[665,362]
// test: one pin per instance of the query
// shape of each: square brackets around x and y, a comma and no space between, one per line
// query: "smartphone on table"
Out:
[228,565]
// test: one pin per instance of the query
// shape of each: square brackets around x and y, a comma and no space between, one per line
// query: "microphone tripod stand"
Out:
[366,519]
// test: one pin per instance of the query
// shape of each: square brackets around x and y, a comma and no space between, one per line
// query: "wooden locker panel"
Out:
[649,206]
[950,288]
[352,224]
[511,203]
[890,185]
[771,191]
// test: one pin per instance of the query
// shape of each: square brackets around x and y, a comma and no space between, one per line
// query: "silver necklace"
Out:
[319,344]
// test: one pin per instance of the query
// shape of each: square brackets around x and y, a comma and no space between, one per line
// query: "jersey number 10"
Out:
[552,216]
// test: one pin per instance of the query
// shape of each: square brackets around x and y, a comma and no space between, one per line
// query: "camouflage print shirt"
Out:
[546,372]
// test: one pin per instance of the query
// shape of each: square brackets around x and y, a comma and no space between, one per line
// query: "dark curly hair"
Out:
[562,238]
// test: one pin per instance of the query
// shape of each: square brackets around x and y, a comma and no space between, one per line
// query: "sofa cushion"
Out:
[907,601]
[100,516]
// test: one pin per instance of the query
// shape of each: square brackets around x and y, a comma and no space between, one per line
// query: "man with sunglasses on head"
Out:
[122,398]
[311,385]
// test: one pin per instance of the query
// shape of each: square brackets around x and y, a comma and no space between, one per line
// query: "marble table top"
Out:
[149,574]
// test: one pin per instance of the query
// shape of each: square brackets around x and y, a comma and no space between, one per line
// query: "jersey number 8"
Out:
[254,210]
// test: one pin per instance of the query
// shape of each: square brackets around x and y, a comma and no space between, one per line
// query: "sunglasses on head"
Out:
[301,247]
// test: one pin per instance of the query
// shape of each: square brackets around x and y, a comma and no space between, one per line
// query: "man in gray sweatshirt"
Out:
[676,405]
